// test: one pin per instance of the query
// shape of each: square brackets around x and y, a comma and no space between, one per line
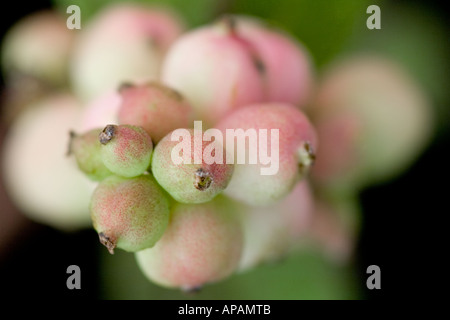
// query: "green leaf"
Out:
[195,12]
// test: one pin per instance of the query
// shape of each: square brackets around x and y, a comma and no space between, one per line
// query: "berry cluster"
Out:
[137,80]
[193,218]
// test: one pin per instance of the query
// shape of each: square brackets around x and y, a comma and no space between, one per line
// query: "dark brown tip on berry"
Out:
[108,242]
[107,134]
[72,136]
[259,65]
[124,86]
[230,23]
[192,290]
[306,157]
[202,179]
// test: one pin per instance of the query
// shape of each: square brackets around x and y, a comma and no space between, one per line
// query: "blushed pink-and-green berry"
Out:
[190,182]
[125,150]
[236,62]
[155,107]
[87,151]
[202,244]
[129,213]
[295,148]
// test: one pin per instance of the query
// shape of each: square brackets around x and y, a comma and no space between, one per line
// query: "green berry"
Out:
[126,150]
[87,151]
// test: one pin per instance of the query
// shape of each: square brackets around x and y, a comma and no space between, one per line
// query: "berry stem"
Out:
[108,242]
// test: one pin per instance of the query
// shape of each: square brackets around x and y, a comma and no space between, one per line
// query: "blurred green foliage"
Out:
[195,12]
[305,275]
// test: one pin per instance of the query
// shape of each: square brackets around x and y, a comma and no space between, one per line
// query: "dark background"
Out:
[400,227]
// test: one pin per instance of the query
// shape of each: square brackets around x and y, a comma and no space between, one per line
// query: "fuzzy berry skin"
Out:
[234,63]
[130,214]
[297,145]
[125,42]
[202,244]
[155,107]
[87,151]
[125,150]
[189,183]
[372,120]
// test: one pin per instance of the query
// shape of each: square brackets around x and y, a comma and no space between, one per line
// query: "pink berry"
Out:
[155,107]
[202,244]
[234,63]
[190,182]
[131,214]
[125,42]
[292,155]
